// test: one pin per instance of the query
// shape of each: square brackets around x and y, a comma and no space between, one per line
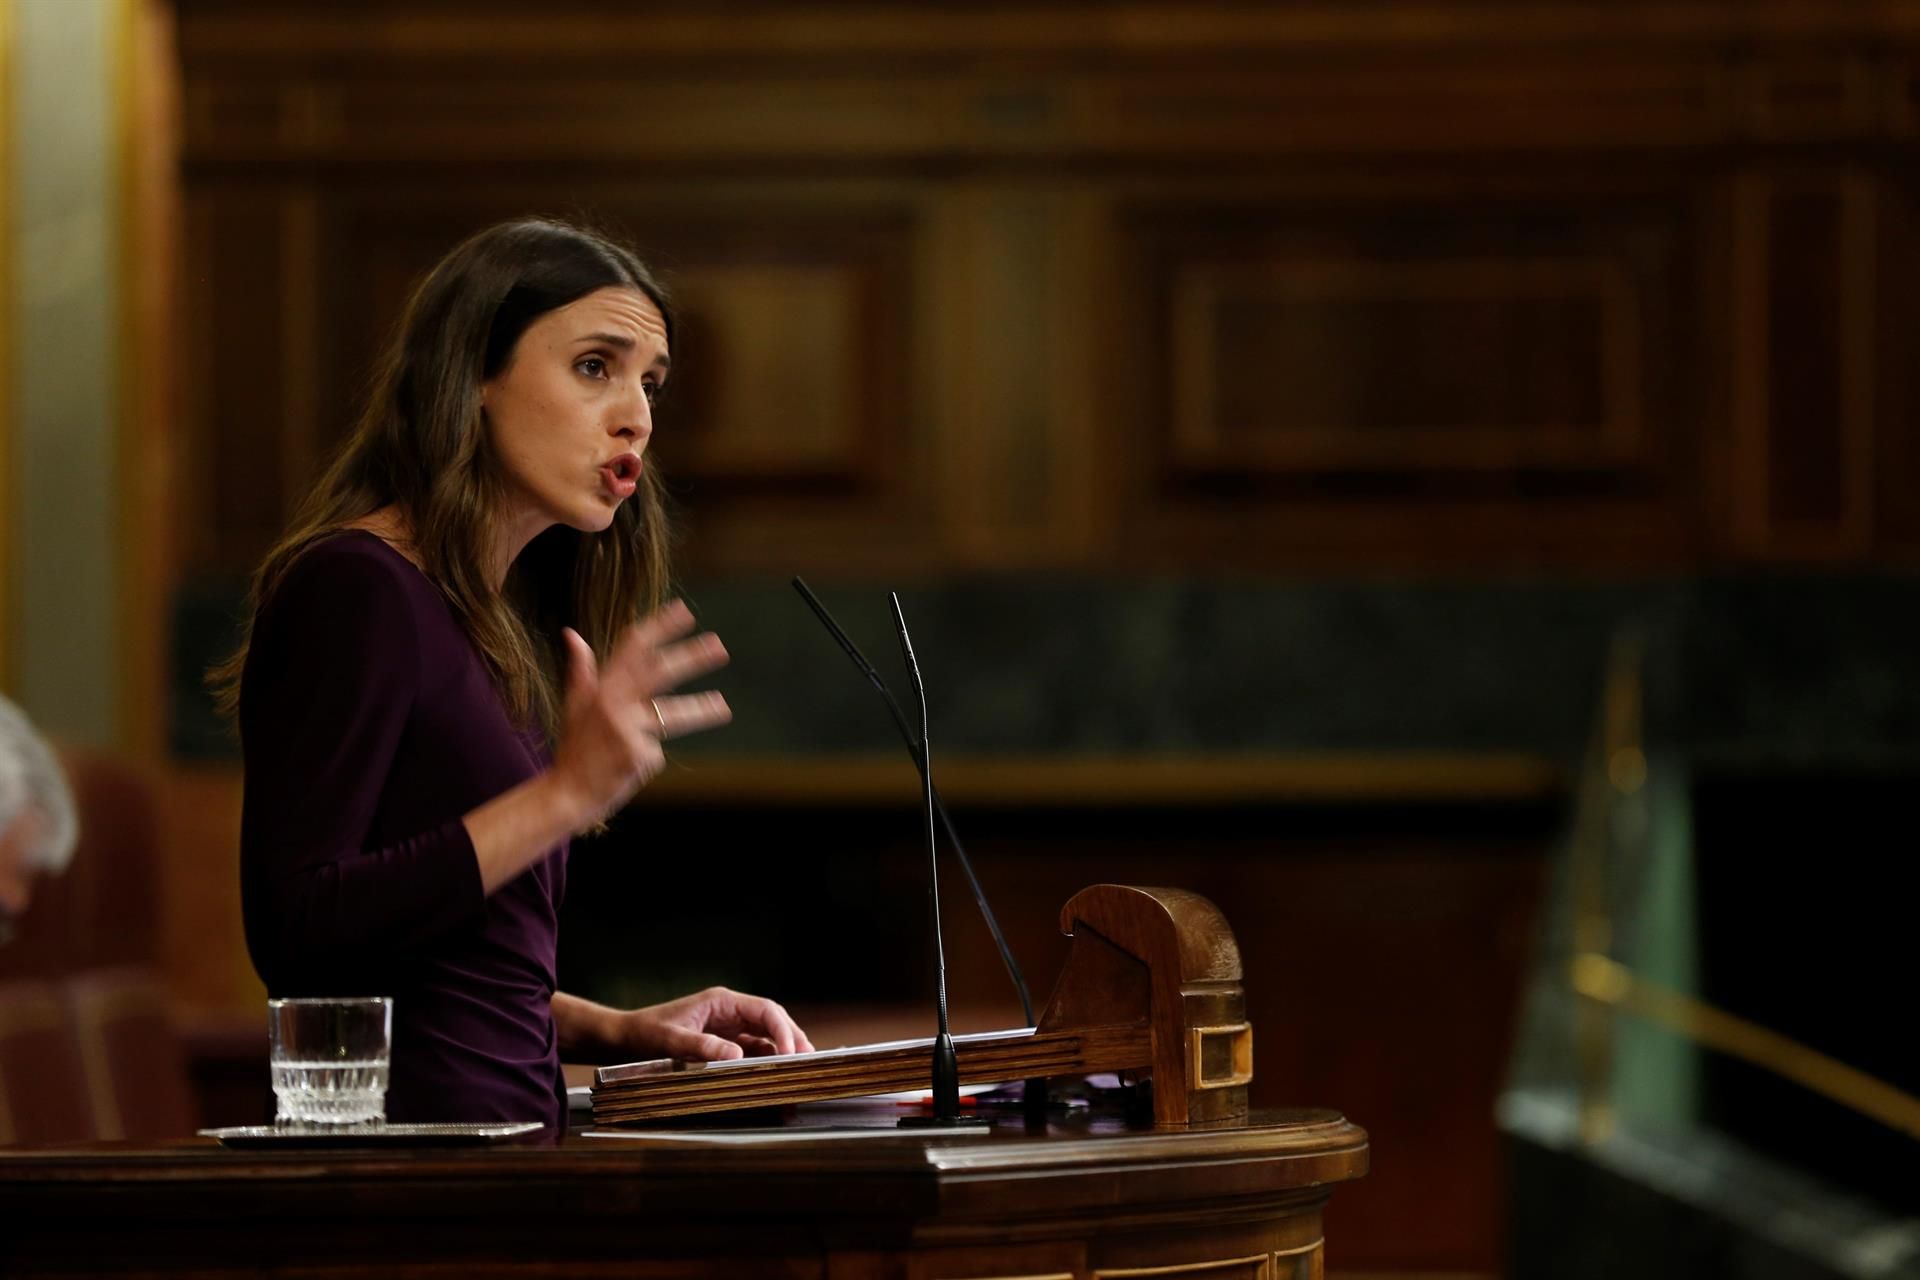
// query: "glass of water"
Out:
[330,1059]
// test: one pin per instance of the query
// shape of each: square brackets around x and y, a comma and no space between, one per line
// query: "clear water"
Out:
[331,1092]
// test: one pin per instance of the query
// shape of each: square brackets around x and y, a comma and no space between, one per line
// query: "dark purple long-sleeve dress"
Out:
[369,727]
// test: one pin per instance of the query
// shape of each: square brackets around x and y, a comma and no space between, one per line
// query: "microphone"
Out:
[916,749]
[946,1066]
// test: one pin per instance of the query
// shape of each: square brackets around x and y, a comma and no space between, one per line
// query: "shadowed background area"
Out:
[1296,432]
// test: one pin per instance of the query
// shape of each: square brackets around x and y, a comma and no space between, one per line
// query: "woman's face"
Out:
[572,411]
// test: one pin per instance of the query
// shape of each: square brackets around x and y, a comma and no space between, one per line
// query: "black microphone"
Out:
[946,1066]
[917,751]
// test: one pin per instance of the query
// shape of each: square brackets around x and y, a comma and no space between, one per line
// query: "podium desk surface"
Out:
[1088,1200]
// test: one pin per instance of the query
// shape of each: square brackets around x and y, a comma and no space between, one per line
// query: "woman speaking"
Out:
[456,659]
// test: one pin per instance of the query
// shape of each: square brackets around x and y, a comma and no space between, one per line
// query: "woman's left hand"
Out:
[711,1026]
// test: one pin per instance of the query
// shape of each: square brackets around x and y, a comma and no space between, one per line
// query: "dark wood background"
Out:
[1421,291]
[1285,288]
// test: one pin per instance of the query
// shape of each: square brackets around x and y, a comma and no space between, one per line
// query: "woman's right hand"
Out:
[616,716]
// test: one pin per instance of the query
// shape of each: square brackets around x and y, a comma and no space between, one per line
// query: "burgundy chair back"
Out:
[43,1088]
[131,1055]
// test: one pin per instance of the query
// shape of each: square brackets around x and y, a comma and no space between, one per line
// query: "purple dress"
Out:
[369,727]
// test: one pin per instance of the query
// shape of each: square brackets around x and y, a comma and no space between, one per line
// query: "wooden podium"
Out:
[1205,1190]
[1093,1203]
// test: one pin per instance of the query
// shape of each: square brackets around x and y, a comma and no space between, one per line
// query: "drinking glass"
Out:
[330,1059]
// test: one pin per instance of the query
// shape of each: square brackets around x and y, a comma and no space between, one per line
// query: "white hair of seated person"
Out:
[31,782]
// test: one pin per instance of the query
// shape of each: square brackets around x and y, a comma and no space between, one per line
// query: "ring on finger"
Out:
[659,715]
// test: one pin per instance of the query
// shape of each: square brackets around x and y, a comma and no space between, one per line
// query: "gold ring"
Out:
[655,704]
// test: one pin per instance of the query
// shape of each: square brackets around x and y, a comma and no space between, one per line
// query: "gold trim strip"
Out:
[1611,983]
[1262,1260]
[1298,1250]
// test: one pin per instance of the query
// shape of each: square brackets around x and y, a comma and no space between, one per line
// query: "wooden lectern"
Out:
[1152,986]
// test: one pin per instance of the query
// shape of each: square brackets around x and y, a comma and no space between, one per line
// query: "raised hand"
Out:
[616,716]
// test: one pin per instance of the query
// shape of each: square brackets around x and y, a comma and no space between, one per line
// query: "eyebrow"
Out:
[624,343]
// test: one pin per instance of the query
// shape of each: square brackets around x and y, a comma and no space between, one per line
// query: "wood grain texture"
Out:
[1072,1202]
[1404,287]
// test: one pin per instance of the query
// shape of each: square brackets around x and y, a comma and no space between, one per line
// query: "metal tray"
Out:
[385,1135]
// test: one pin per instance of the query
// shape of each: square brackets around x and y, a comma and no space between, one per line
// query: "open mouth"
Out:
[621,475]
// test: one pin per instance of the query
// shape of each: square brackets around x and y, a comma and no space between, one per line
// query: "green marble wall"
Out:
[1766,668]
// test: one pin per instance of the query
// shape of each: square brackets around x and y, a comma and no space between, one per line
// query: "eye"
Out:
[592,366]
[652,391]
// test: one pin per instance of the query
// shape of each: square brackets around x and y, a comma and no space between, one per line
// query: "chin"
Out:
[595,519]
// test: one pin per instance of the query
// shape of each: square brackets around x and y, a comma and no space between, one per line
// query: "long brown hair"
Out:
[421,446]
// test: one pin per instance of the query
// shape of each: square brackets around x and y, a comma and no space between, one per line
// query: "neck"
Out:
[510,537]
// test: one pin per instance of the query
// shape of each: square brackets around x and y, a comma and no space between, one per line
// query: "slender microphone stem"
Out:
[917,750]
[946,1066]
[933,867]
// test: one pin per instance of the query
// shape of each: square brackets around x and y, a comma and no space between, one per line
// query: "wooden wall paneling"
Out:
[1287,366]
[1897,310]
[203,943]
[1000,458]
[300,429]
[490,113]
[914,78]
[1903,97]
[1020,303]
[774,365]
[235,398]
[1181,99]
[1810,94]
[1302,102]
[1803,307]
[1081,439]
[1392,371]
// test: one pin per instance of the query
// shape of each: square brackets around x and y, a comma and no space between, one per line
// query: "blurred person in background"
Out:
[37,825]
[458,659]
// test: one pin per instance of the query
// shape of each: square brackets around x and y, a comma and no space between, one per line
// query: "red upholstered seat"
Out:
[43,1088]
[87,1049]
[131,1055]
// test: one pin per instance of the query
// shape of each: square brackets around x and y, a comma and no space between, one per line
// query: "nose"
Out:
[633,419]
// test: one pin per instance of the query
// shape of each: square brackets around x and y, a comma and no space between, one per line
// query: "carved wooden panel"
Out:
[1803,379]
[1897,374]
[235,385]
[1505,378]
[1310,365]
[773,388]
